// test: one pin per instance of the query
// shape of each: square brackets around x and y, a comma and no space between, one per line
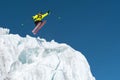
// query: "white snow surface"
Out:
[4,31]
[29,58]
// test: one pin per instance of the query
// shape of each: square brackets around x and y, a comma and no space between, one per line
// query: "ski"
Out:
[38,27]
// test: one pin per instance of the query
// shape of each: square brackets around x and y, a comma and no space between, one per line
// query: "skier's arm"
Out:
[44,15]
[34,17]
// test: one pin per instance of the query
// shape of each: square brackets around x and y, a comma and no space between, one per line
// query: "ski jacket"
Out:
[38,17]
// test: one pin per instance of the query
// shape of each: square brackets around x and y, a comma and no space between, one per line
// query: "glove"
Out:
[48,12]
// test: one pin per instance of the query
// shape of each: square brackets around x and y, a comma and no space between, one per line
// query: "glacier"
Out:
[30,58]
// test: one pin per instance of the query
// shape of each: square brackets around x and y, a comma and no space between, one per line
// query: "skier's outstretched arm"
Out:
[46,14]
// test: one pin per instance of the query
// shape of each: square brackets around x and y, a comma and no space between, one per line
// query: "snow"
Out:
[32,58]
[4,31]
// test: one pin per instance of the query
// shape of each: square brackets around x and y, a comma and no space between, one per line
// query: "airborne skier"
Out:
[38,21]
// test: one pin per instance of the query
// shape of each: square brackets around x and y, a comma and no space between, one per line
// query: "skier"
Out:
[38,21]
[38,17]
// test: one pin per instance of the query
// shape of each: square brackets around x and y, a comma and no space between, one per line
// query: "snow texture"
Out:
[4,31]
[32,58]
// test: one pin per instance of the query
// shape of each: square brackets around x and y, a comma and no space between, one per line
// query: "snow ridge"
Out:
[4,31]
[32,58]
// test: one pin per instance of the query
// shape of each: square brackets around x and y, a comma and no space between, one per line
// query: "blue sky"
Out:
[89,26]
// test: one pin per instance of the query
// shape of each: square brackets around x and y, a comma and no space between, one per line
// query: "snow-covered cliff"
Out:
[29,58]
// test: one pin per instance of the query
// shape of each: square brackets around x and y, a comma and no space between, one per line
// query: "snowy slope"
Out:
[29,58]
